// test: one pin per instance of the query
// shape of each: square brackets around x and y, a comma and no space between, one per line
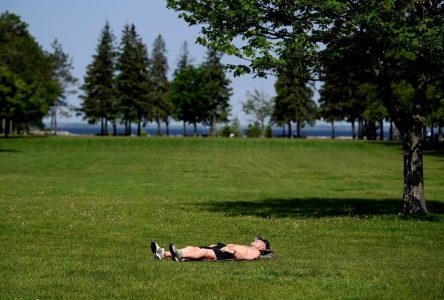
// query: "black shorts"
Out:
[220,255]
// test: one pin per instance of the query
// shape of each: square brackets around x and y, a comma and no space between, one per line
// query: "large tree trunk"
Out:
[414,200]
[289,130]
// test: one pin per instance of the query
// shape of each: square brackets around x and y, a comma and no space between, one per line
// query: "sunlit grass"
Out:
[77,214]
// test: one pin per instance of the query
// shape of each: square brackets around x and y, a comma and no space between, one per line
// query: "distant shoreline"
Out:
[316,132]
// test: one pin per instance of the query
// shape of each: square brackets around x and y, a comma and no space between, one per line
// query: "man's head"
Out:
[261,243]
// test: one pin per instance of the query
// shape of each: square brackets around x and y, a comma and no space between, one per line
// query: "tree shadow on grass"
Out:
[9,151]
[428,148]
[313,207]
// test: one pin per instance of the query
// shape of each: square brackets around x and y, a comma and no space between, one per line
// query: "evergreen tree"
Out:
[62,66]
[216,91]
[184,59]
[99,99]
[294,101]
[132,81]
[162,108]
[187,95]
[177,100]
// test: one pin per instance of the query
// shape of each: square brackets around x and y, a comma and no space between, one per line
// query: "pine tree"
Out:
[132,81]
[294,102]
[184,59]
[217,90]
[179,85]
[99,100]
[162,108]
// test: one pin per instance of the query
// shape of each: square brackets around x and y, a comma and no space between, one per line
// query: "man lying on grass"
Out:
[259,248]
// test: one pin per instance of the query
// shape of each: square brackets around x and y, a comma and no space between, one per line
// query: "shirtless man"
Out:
[217,251]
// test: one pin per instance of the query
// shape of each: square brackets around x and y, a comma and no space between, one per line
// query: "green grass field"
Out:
[77,215]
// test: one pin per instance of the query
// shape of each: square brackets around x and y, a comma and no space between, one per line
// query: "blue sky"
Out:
[77,25]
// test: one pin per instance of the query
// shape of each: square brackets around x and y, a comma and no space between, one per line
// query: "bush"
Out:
[253,130]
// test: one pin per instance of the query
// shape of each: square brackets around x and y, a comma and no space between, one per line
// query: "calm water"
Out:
[343,131]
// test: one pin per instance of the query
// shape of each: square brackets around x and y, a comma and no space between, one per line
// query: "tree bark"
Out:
[158,127]
[298,128]
[381,130]
[414,200]
[289,130]
[184,129]
[353,130]
[333,131]
[167,128]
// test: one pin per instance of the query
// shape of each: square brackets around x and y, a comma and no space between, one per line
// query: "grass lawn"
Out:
[77,215]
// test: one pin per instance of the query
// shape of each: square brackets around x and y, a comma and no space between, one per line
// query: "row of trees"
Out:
[33,82]
[127,85]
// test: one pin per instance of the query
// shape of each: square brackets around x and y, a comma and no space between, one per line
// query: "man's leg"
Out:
[190,253]
[196,253]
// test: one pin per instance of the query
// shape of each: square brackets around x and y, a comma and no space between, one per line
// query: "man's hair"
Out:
[266,242]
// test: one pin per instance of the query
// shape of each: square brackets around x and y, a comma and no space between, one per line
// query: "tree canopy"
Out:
[387,43]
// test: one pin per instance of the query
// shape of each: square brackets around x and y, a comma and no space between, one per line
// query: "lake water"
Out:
[319,131]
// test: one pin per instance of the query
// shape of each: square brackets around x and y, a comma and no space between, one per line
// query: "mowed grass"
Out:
[77,216]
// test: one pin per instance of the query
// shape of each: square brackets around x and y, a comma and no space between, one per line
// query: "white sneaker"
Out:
[159,253]
[175,253]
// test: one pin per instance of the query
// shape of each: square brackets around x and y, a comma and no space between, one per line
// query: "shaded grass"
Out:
[77,214]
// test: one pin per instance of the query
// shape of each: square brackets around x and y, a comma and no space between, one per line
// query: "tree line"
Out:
[127,84]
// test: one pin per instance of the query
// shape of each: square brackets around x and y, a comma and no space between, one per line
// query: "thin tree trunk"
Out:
[158,127]
[106,125]
[54,120]
[114,128]
[298,128]
[289,130]
[381,130]
[353,130]
[138,128]
[195,128]
[432,133]
[167,127]
[184,129]
[440,137]
[213,126]
[333,130]
[391,131]
[7,127]
[360,129]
